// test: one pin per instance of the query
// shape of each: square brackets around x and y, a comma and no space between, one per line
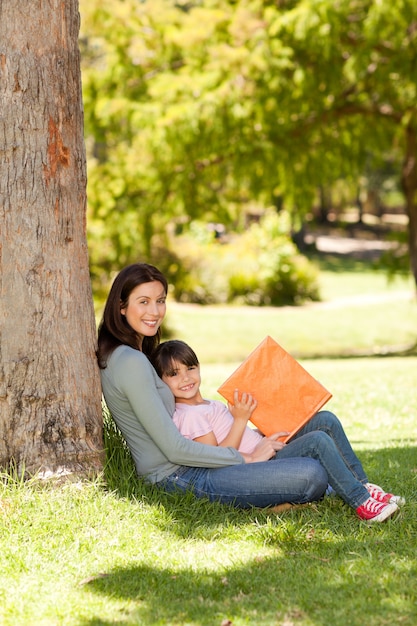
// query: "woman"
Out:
[142,406]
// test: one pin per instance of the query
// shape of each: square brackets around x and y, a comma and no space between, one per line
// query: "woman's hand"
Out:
[280,435]
[266,449]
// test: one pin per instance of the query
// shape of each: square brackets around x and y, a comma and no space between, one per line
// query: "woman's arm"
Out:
[265,450]
[233,438]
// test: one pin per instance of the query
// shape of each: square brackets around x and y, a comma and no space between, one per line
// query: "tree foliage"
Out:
[199,109]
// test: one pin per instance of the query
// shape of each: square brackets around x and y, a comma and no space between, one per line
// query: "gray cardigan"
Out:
[142,405]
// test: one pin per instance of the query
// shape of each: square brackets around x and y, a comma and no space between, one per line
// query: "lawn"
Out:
[115,551]
[360,313]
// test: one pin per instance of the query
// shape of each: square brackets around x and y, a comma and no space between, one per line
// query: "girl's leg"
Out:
[295,480]
[319,445]
[330,424]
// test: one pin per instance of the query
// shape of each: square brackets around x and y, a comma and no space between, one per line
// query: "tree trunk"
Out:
[50,397]
[409,185]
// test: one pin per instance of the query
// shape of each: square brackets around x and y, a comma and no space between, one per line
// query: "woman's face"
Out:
[146,307]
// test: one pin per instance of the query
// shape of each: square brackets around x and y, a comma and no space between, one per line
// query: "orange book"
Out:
[288,396]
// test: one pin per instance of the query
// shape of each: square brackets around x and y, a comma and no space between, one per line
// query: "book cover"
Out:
[288,396]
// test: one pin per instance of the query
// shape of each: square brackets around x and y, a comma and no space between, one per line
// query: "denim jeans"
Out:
[319,454]
[323,438]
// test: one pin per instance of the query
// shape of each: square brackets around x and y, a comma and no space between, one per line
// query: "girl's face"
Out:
[146,307]
[184,382]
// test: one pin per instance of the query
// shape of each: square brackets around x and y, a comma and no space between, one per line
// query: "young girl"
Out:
[211,422]
[206,421]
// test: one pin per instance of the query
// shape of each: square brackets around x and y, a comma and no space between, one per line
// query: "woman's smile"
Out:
[146,307]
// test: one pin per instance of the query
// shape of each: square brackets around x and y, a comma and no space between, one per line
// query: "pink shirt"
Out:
[197,420]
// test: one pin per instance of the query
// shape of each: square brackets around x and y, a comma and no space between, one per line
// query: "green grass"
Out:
[360,314]
[115,551]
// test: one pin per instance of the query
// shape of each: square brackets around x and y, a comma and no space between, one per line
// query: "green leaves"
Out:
[203,108]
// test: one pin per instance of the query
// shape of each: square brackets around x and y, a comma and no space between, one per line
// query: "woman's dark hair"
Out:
[114,330]
[166,353]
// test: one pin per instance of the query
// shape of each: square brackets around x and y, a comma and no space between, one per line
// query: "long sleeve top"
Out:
[142,405]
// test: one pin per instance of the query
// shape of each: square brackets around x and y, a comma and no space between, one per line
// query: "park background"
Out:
[256,152]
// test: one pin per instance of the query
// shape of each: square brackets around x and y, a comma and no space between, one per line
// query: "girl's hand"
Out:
[243,407]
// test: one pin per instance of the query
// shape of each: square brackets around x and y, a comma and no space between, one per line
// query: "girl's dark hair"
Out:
[166,353]
[114,330]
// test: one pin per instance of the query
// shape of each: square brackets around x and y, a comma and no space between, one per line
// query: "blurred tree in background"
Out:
[215,110]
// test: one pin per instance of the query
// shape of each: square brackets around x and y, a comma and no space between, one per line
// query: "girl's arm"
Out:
[241,411]
[233,438]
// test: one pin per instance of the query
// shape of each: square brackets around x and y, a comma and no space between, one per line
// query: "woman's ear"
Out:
[122,308]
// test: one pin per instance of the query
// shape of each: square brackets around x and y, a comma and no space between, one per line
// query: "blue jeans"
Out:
[323,438]
[319,454]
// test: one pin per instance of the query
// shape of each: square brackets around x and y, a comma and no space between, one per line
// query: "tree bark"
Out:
[409,185]
[50,395]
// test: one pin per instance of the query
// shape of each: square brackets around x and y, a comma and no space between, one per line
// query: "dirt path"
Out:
[365,247]
[361,299]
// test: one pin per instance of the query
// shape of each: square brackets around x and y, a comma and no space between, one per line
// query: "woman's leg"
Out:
[330,424]
[295,480]
[319,445]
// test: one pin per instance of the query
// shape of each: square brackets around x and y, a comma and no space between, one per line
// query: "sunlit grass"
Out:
[382,323]
[116,551]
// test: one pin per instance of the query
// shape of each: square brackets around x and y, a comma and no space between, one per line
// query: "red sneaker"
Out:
[380,495]
[373,511]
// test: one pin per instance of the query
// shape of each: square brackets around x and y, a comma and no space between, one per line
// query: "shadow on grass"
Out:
[263,591]
[402,351]
[318,564]
[342,262]
[323,566]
